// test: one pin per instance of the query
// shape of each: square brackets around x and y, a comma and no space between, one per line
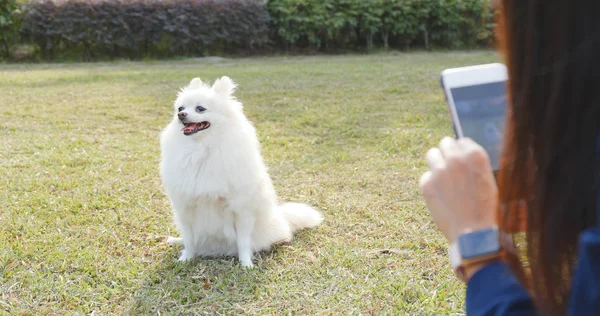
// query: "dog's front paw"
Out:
[185,256]
[247,265]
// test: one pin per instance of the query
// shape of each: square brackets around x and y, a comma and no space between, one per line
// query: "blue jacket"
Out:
[494,290]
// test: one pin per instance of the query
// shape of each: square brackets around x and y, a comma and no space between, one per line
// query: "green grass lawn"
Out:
[84,216]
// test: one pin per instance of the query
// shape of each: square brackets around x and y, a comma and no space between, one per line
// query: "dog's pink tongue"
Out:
[190,127]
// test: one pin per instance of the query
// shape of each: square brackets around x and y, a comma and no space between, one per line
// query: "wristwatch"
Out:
[476,247]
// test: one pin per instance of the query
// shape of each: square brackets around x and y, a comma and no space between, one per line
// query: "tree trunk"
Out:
[145,48]
[87,52]
[370,41]
[5,45]
[385,37]
[426,34]
[115,51]
[50,44]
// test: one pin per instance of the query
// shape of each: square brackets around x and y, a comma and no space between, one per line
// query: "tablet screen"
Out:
[481,110]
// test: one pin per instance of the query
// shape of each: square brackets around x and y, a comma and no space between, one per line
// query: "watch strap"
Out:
[459,264]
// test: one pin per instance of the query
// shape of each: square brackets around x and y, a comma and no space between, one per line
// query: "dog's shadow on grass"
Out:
[202,285]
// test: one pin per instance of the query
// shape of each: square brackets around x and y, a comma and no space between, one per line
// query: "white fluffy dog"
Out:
[221,194]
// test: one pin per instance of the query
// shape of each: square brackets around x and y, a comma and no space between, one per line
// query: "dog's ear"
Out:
[195,83]
[224,86]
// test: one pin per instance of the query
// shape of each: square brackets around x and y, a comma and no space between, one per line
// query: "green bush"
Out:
[340,24]
[403,20]
[458,23]
[10,24]
[166,28]
[138,28]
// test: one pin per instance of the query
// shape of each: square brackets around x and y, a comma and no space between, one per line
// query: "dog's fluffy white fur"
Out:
[222,197]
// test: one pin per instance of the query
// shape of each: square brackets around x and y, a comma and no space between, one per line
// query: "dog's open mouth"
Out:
[194,127]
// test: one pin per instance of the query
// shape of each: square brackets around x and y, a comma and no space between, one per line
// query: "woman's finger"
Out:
[435,159]
[475,153]
[424,182]
[449,147]
[467,144]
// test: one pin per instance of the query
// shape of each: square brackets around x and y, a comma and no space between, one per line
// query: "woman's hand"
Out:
[459,188]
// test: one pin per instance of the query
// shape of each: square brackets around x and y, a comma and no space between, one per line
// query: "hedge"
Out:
[166,28]
[9,24]
[335,24]
[137,28]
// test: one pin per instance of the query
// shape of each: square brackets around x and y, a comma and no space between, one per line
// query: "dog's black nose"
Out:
[181,115]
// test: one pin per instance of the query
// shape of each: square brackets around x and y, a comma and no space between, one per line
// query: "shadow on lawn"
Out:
[204,285]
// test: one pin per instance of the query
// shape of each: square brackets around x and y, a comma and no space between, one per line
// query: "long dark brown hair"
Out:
[549,166]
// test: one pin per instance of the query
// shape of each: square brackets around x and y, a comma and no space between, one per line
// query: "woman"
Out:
[549,178]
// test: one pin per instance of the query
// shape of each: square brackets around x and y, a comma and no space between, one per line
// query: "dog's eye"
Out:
[181,108]
[200,109]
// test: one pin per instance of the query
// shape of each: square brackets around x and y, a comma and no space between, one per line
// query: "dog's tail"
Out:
[300,216]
